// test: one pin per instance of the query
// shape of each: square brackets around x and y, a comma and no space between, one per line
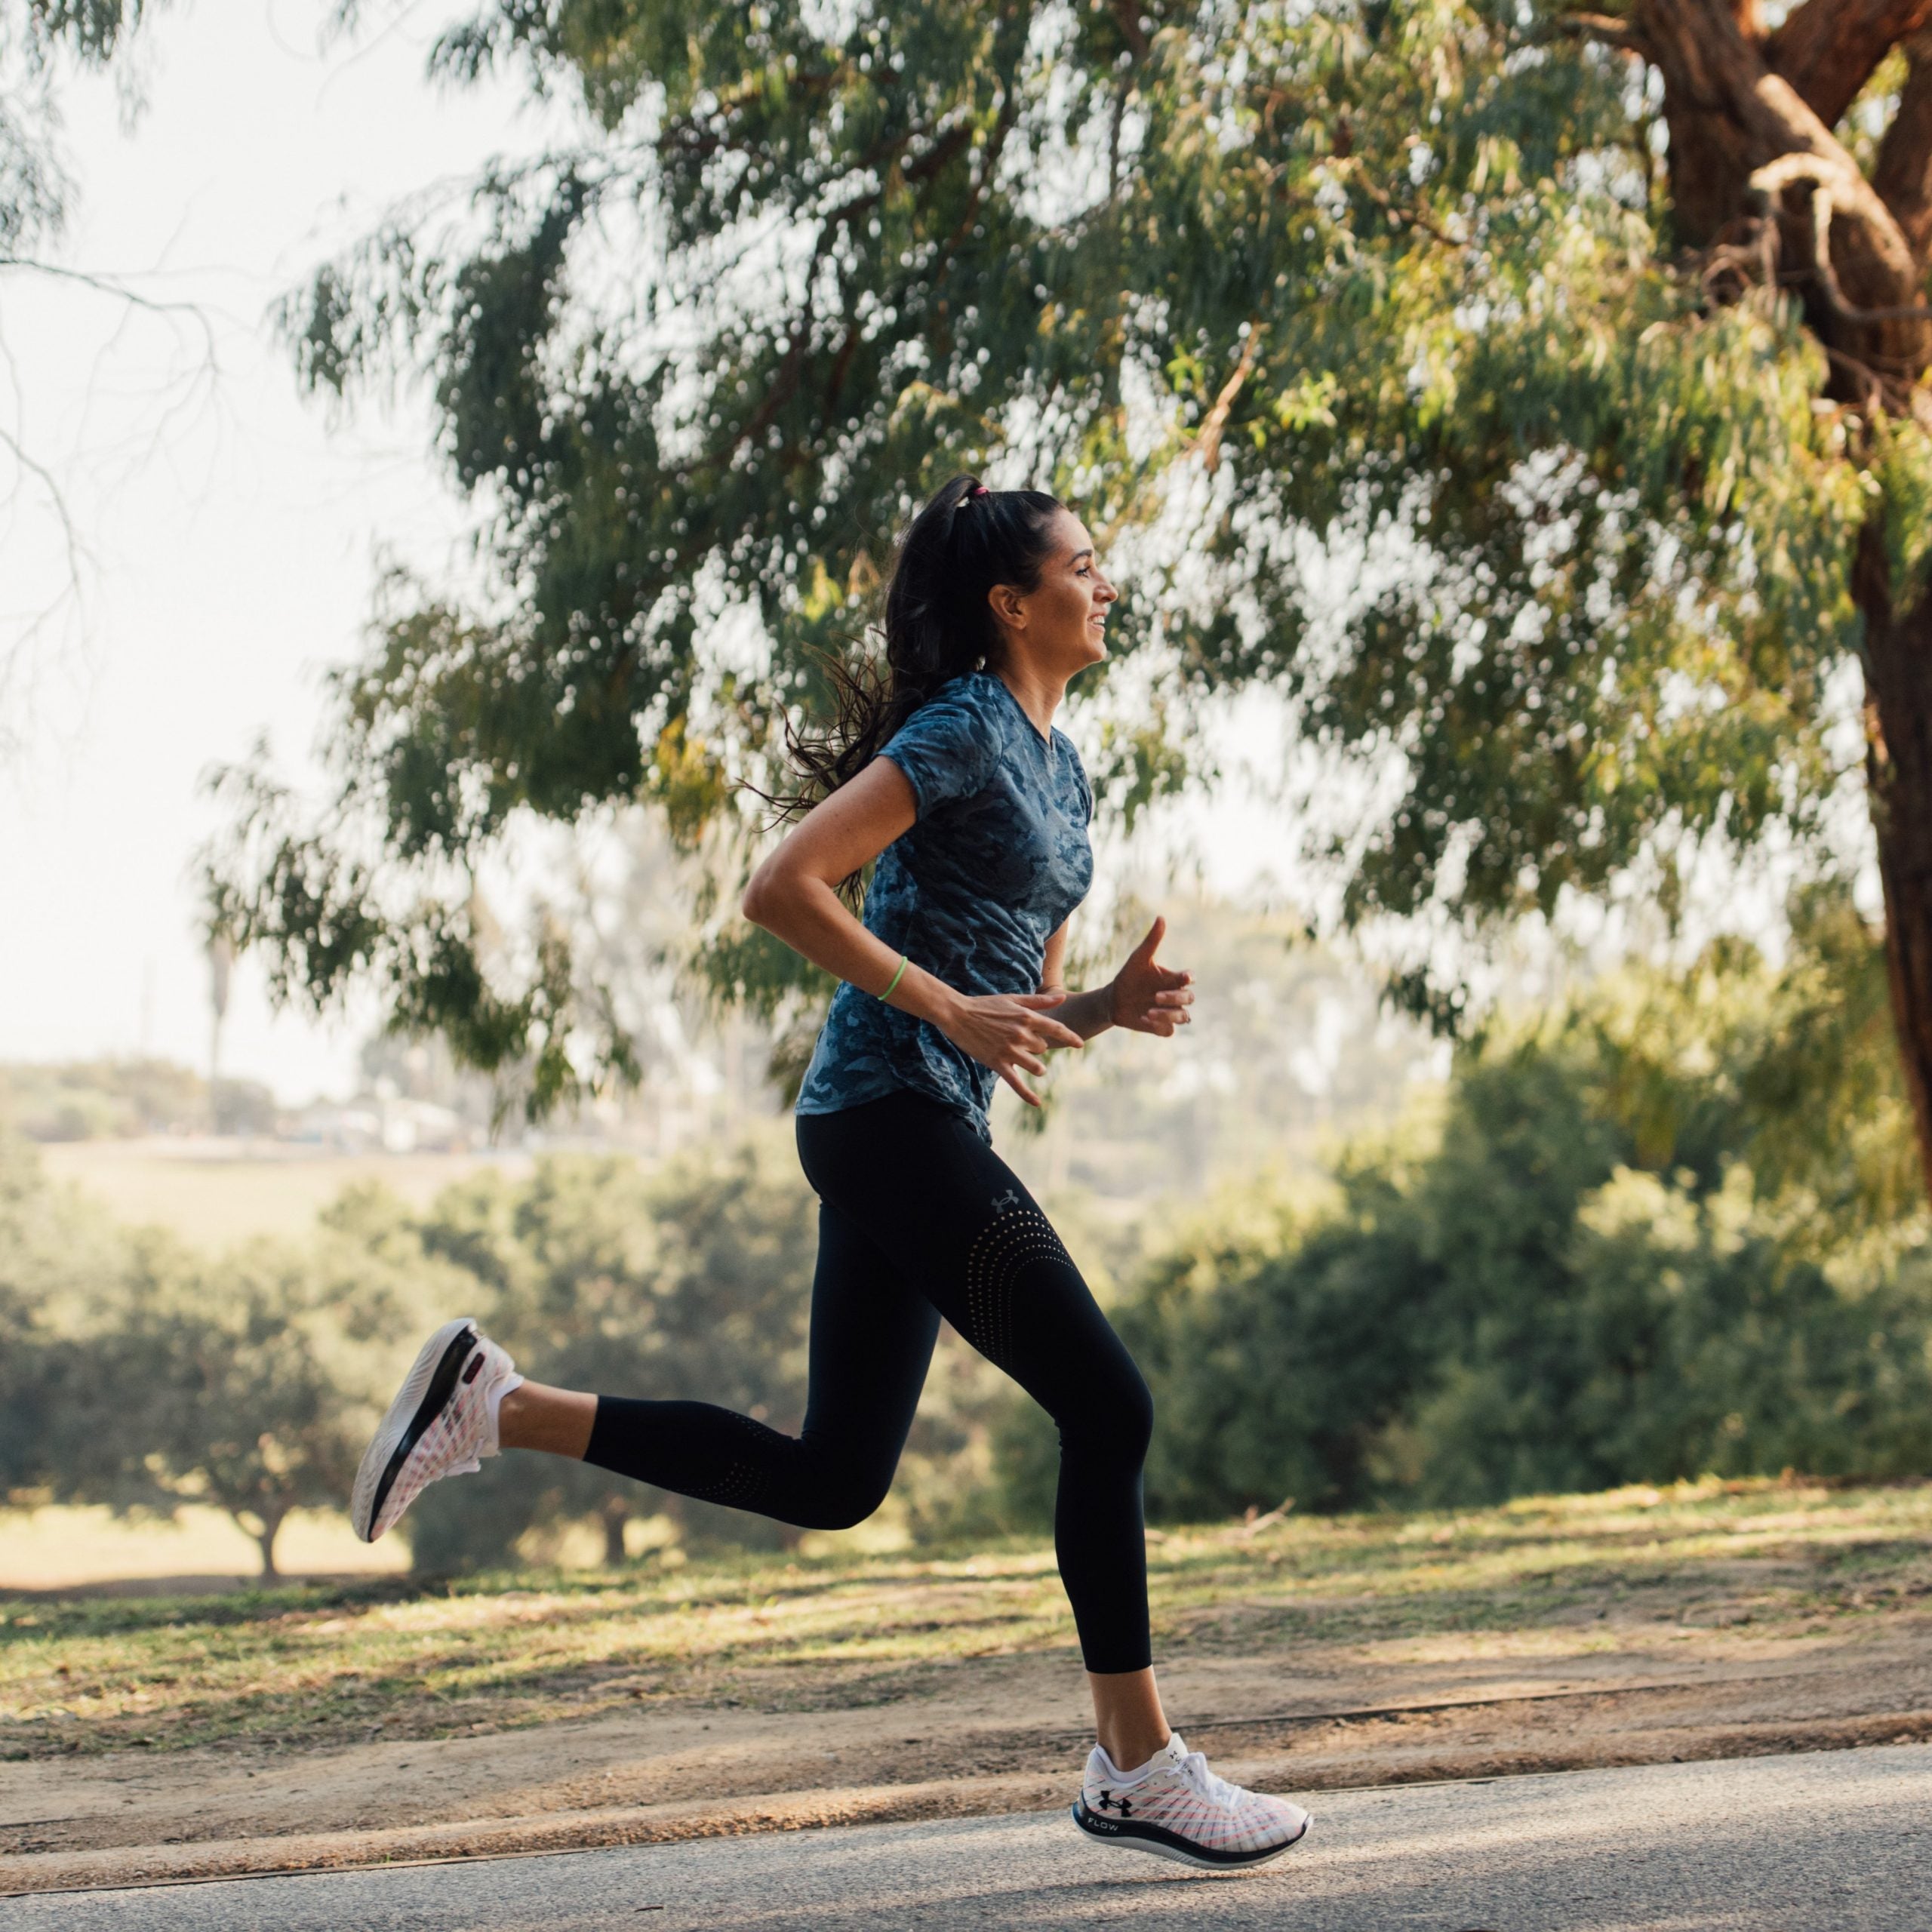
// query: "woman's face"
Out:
[1060,627]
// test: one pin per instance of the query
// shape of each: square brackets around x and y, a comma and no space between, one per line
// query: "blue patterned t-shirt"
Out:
[996,860]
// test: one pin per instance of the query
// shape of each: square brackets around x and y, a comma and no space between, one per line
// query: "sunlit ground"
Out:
[53,1549]
[1697,1563]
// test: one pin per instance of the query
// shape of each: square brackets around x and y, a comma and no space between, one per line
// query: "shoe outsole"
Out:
[425,1391]
[1130,1834]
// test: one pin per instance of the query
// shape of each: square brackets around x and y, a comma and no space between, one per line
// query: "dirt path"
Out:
[968,1737]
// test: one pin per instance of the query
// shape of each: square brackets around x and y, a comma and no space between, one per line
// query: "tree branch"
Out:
[1393,209]
[105,284]
[1723,104]
[1903,174]
[1828,49]
[1873,400]
[1209,440]
[1821,257]
[1607,29]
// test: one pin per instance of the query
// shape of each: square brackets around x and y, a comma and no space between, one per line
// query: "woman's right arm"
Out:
[793,894]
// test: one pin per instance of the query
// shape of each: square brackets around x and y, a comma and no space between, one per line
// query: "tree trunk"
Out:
[1734,101]
[1898,763]
[615,1514]
[265,1541]
[1709,69]
[1729,114]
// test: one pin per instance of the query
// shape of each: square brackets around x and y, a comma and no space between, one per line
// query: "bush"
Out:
[1579,1283]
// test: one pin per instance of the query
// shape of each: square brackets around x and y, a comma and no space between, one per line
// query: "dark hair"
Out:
[938,624]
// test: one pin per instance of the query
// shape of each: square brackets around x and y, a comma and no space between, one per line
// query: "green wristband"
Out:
[896,977]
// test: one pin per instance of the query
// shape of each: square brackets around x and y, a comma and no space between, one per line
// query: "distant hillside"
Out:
[1289,1051]
[119,1099]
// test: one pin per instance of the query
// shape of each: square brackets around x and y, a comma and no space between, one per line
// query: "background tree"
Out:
[695,1282]
[141,1375]
[84,1099]
[1597,1266]
[1586,346]
[250,1381]
[231,1404]
[50,1250]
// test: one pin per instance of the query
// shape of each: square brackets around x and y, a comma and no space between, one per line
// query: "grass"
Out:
[398,1657]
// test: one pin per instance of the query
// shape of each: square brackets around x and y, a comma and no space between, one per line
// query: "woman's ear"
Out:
[1009,606]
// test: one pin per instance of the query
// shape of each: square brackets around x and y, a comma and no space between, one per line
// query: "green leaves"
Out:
[1263,289]
[37,40]
[1675,1230]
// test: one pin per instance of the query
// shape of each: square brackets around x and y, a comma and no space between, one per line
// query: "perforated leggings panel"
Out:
[919,1219]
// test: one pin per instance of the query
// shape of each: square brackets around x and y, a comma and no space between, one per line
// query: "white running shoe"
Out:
[1176,1808]
[443,1422]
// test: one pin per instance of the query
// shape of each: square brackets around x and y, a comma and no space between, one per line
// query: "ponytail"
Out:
[938,625]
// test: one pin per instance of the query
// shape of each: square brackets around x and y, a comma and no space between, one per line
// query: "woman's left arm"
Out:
[1144,996]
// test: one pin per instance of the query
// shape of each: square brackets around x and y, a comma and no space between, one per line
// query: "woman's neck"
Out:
[1039,694]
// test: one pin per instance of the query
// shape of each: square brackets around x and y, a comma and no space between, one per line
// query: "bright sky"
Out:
[232,531]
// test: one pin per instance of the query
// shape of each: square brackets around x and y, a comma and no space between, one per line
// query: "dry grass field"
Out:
[1581,1575]
[213,1193]
[369,1719]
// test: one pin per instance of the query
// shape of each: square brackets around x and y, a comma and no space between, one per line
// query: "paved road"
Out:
[1838,1841]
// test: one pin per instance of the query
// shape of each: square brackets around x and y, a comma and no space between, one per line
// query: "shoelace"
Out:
[1217,1790]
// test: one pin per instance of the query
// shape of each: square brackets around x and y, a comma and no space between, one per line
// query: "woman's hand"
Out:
[1008,1032]
[1148,997]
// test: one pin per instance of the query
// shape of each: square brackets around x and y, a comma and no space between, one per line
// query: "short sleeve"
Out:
[947,750]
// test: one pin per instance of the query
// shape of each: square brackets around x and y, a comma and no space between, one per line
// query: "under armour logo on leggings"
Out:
[1004,1203]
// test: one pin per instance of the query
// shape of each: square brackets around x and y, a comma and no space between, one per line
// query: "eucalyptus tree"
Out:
[1595,339]
[36,36]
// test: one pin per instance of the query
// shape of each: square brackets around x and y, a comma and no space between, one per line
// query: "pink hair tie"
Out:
[977,490]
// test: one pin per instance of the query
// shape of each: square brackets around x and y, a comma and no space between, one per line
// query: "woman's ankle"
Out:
[558,1421]
[1127,1717]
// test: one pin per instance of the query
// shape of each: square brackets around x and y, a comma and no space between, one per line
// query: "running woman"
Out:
[951,777]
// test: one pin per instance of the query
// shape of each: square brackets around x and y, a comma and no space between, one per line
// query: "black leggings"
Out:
[918,1218]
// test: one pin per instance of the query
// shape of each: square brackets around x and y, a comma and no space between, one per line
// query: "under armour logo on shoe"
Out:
[1005,1203]
[1109,1803]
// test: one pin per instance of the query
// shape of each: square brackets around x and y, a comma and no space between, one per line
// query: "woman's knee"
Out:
[843,1499]
[845,1515]
[1136,1414]
[1114,1416]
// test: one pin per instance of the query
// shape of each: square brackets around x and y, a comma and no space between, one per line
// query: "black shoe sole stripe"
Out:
[1114,1830]
[435,1399]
